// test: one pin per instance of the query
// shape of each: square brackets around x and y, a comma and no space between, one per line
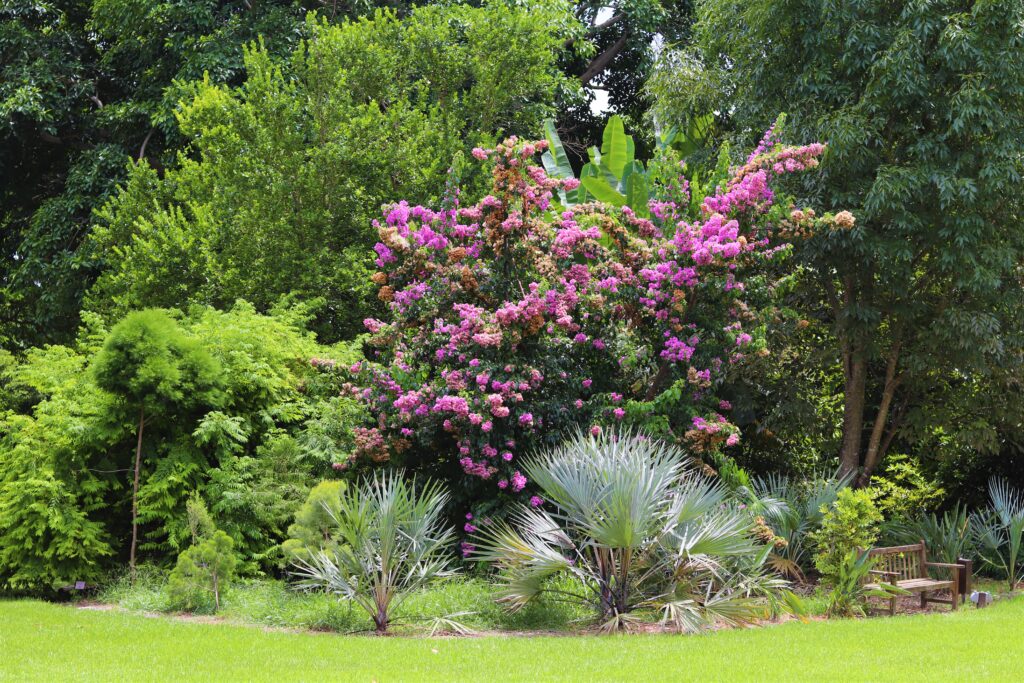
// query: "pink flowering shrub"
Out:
[513,320]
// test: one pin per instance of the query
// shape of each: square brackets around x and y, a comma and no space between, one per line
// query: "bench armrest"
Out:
[955,569]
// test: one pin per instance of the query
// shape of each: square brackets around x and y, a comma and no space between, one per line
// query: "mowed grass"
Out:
[41,641]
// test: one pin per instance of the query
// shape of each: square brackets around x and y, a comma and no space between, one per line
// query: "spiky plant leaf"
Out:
[392,540]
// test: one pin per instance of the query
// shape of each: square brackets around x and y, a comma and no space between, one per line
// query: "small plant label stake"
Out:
[981,598]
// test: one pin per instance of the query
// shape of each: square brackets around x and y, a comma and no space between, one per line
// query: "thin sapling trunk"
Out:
[135,494]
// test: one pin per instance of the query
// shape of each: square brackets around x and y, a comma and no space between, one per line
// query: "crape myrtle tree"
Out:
[156,372]
[922,107]
[513,320]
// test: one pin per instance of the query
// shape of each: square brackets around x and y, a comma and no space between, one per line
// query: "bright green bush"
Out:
[155,372]
[849,524]
[47,538]
[50,531]
[256,495]
[902,491]
[314,527]
[251,443]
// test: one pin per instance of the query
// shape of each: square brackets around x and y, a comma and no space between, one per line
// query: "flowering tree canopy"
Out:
[515,320]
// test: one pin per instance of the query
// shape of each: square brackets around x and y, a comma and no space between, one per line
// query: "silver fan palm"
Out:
[636,527]
[392,540]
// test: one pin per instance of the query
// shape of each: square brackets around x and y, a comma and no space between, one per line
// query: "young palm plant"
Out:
[392,540]
[850,592]
[796,511]
[999,531]
[948,537]
[634,526]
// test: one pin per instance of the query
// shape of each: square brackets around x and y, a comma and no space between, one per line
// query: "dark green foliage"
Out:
[948,537]
[922,107]
[623,36]
[85,86]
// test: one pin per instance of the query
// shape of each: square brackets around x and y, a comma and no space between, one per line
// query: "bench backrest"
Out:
[906,560]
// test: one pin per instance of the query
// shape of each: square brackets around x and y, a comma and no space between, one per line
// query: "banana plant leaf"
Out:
[556,162]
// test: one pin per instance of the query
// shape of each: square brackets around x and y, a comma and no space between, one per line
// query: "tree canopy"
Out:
[922,108]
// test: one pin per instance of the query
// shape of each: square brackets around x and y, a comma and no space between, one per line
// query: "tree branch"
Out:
[604,59]
[142,149]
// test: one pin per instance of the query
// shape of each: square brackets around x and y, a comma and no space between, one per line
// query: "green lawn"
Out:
[40,641]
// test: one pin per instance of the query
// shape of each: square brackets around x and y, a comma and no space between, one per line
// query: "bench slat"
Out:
[896,549]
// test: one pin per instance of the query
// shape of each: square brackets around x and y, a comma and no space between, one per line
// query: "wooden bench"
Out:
[906,567]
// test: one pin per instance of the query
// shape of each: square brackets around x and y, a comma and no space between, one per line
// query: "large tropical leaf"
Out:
[617,148]
[695,136]
[556,162]
[637,193]
[598,186]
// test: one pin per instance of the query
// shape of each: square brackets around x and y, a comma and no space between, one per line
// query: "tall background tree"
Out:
[90,88]
[85,87]
[922,106]
[282,177]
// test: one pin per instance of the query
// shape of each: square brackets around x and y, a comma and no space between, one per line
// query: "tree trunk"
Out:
[664,371]
[853,412]
[873,455]
[135,494]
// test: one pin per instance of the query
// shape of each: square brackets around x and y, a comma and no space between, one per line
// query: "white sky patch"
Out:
[599,105]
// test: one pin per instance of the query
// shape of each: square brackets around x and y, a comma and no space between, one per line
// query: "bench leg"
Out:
[892,606]
[956,597]
[924,599]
